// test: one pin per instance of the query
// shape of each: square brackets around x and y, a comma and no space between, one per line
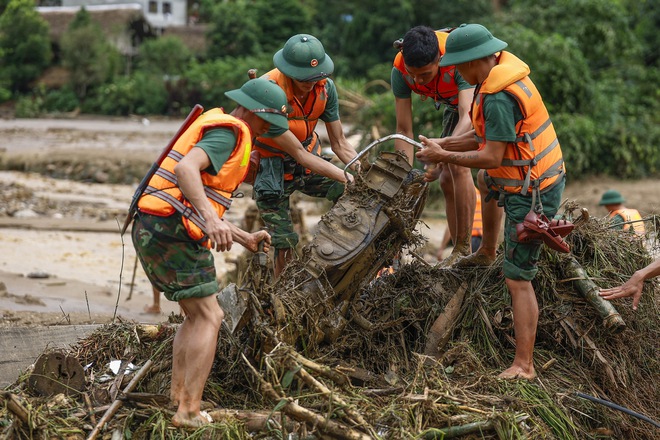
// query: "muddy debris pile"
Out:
[416,355]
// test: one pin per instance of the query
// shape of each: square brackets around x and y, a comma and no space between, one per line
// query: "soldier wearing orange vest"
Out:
[291,159]
[416,69]
[180,219]
[626,219]
[515,145]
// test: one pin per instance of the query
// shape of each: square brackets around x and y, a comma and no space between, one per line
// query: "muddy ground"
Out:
[62,259]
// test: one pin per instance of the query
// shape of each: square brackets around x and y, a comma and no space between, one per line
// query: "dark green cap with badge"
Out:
[264,98]
[303,58]
[611,197]
[470,42]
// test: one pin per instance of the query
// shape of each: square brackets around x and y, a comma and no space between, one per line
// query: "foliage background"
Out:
[596,63]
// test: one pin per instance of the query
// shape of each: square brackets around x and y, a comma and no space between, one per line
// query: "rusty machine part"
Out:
[56,372]
[363,232]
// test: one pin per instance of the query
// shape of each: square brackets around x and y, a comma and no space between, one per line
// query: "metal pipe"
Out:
[617,407]
[380,141]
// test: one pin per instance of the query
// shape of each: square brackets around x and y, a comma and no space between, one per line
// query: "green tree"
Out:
[370,28]
[87,54]
[601,28]
[234,30]
[166,55]
[280,20]
[24,44]
[450,14]
[559,68]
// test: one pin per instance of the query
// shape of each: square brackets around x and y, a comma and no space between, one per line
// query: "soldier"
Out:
[622,218]
[416,69]
[291,159]
[515,145]
[180,219]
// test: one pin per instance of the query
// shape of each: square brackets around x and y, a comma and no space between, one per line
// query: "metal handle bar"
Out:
[380,141]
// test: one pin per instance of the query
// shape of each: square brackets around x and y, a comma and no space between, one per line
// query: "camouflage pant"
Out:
[449,121]
[175,264]
[276,211]
[520,259]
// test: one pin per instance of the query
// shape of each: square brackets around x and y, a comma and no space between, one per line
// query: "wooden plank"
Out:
[21,346]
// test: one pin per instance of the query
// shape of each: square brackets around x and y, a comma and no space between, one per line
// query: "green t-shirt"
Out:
[501,114]
[402,90]
[218,144]
[330,114]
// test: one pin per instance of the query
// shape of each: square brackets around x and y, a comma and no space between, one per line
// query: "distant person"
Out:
[633,287]
[291,159]
[417,70]
[180,219]
[621,218]
[154,307]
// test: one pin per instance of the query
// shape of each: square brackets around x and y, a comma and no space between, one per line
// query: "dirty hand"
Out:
[433,153]
[632,287]
[255,239]
[433,172]
[219,233]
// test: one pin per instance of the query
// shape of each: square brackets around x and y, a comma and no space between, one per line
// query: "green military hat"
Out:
[264,98]
[470,42]
[611,197]
[303,58]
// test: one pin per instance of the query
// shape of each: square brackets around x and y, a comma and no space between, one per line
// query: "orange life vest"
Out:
[442,88]
[162,196]
[535,158]
[630,215]
[302,119]
[477,223]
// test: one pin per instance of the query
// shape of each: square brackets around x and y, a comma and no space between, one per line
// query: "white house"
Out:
[159,14]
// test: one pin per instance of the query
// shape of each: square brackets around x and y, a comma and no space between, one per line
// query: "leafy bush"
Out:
[206,83]
[141,94]
[87,54]
[29,106]
[558,67]
[24,44]
[62,100]
[165,55]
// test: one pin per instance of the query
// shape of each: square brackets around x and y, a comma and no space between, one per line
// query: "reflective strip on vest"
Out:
[171,177]
[186,211]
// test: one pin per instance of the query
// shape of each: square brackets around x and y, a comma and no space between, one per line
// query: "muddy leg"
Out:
[525,321]
[282,258]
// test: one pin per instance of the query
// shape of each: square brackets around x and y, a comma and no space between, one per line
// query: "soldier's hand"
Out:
[256,238]
[219,233]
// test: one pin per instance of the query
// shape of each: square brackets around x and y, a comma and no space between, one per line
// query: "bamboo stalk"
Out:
[444,324]
[325,371]
[14,405]
[469,428]
[114,407]
[357,417]
[305,415]
[612,320]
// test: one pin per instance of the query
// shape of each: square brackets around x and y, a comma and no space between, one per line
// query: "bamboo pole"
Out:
[114,407]
[589,291]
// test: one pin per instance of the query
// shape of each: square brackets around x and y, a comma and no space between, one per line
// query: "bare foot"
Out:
[475,259]
[195,422]
[457,253]
[516,372]
[152,310]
